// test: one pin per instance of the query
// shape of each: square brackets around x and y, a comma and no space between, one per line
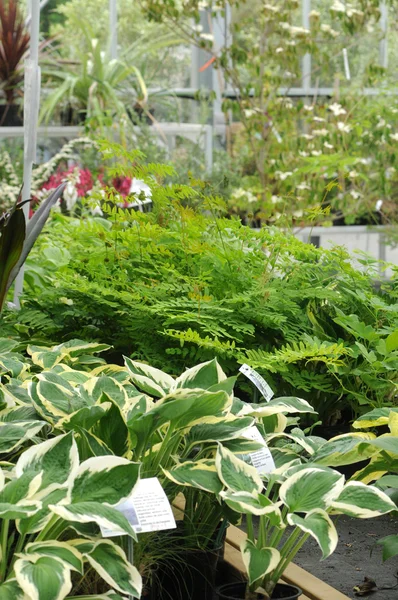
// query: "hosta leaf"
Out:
[111,387]
[199,474]
[112,429]
[21,510]
[390,546]
[43,577]
[344,450]
[104,516]
[13,435]
[78,347]
[218,432]
[89,445]
[374,418]
[109,479]
[279,405]
[10,590]
[59,550]
[320,526]
[45,358]
[40,518]
[111,563]
[57,459]
[148,379]
[362,501]
[201,376]
[235,474]
[311,487]
[259,562]
[84,418]
[255,504]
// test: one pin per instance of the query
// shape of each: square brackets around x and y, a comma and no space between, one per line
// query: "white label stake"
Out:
[262,459]
[258,381]
[147,509]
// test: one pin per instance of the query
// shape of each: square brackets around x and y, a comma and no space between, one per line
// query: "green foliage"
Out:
[180,285]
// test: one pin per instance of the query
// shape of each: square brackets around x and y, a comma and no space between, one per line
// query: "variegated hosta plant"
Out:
[293,502]
[51,506]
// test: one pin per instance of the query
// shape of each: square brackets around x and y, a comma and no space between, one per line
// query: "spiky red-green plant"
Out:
[14,42]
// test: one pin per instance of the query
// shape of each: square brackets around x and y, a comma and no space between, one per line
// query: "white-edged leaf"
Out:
[203,376]
[104,516]
[200,474]
[13,435]
[255,504]
[112,565]
[62,551]
[320,526]
[235,474]
[344,450]
[10,590]
[148,379]
[259,562]
[311,487]
[43,577]
[109,479]
[362,501]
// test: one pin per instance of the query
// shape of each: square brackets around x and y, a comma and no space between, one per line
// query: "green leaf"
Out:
[84,418]
[201,376]
[344,450]
[259,562]
[392,341]
[111,563]
[362,501]
[255,504]
[56,460]
[235,474]
[43,577]
[59,550]
[14,435]
[310,488]
[10,590]
[374,418]
[111,429]
[148,379]
[109,479]
[200,474]
[390,546]
[218,432]
[104,516]
[319,525]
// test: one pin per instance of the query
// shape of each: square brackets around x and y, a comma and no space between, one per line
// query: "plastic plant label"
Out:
[147,509]
[258,381]
[261,459]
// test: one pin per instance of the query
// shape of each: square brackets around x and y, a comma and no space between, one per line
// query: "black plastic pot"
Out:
[237,591]
[10,115]
[189,575]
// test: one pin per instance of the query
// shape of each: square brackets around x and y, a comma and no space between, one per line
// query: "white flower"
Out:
[327,29]
[327,145]
[307,136]
[96,211]
[319,120]
[279,50]
[282,176]
[303,186]
[66,301]
[209,37]
[343,127]
[276,199]
[355,194]
[316,152]
[298,213]
[380,124]
[337,6]
[394,136]
[271,8]
[320,132]
[308,107]
[70,195]
[379,204]
[302,153]
[337,109]
[353,174]
[138,186]
[314,14]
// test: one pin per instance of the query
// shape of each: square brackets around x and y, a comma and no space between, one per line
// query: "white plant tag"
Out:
[258,381]
[261,459]
[147,509]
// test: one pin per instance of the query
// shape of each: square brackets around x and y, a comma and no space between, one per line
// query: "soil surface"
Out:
[356,556]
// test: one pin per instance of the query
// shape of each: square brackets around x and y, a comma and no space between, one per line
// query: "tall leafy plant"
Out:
[14,42]
[17,238]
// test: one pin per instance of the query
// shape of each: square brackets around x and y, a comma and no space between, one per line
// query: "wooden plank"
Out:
[313,588]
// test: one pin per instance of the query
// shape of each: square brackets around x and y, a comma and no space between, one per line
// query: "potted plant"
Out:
[89,88]
[14,42]
[292,502]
